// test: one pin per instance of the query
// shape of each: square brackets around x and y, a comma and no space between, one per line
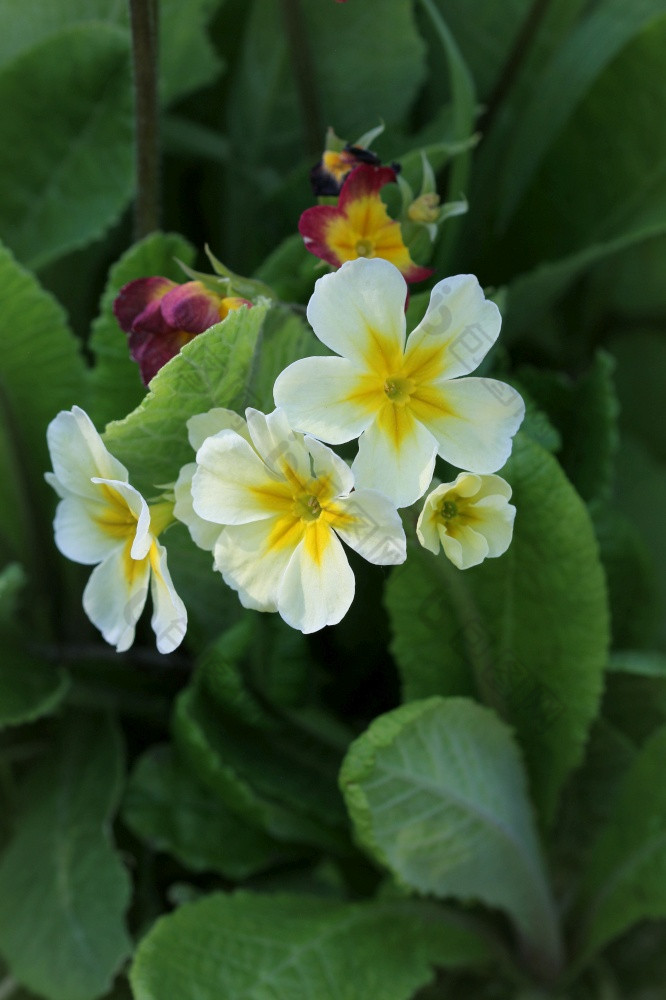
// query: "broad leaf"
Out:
[437,793]
[74,92]
[116,386]
[274,773]
[63,888]
[41,372]
[280,947]
[528,631]
[625,878]
[167,806]
[214,369]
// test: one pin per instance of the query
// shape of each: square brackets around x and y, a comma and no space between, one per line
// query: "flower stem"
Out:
[144,16]
[304,74]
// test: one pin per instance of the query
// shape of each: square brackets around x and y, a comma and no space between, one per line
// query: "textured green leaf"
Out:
[29,687]
[63,889]
[564,82]
[116,386]
[280,947]
[275,775]
[214,369]
[529,630]
[41,372]
[286,337]
[167,806]
[625,878]
[73,91]
[437,792]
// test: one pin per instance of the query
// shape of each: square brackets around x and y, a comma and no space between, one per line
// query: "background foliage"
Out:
[457,792]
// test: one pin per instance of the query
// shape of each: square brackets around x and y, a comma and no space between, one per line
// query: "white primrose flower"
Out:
[103,520]
[403,398]
[285,501]
[471,519]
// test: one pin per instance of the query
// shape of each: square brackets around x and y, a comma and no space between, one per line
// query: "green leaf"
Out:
[564,82]
[437,793]
[116,386]
[63,889]
[214,369]
[12,579]
[285,338]
[638,662]
[41,372]
[529,630]
[625,878]
[586,413]
[29,687]
[640,357]
[73,91]
[275,775]
[167,806]
[281,947]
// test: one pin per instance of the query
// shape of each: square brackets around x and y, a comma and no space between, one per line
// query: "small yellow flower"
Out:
[471,519]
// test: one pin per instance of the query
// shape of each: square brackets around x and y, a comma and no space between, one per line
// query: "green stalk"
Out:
[144,16]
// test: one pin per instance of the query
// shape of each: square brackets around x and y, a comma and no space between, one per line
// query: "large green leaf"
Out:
[437,793]
[280,947]
[73,91]
[116,386]
[625,877]
[274,773]
[167,806]
[214,369]
[529,630]
[41,372]
[63,888]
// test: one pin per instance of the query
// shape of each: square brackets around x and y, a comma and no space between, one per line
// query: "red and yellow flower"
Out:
[359,225]
[159,316]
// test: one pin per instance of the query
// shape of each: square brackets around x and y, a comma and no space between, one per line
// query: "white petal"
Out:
[370,524]
[329,397]
[484,415]
[123,496]
[52,480]
[78,534]
[203,425]
[280,447]
[78,453]
[169,620]
[400,467]
[232,485]
[317,587]
[326,464]
[467,548]
[461,320]
[250,565]
[427,526]
[115,596]
[203,533]
[359,310]
[494,519]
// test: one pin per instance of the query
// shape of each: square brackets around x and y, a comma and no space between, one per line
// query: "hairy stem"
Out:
[144,15]
[304,74]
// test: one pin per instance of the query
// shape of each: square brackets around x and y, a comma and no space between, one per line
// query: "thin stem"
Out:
[304,74]
[144,15]
[8,987]
[513,63]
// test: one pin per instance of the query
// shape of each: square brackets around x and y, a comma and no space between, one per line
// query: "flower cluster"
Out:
[267,496]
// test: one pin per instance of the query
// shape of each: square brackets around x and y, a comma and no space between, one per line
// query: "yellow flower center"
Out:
[399,389]
[365,248]
[448,510]
[307,507]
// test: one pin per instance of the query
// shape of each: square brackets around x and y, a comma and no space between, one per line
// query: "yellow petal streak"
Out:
[115,518]
[397,423]
[133,567]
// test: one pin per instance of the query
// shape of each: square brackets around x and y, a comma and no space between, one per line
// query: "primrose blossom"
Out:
[282,502]
[403,397]
[102,520]
[471,519]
